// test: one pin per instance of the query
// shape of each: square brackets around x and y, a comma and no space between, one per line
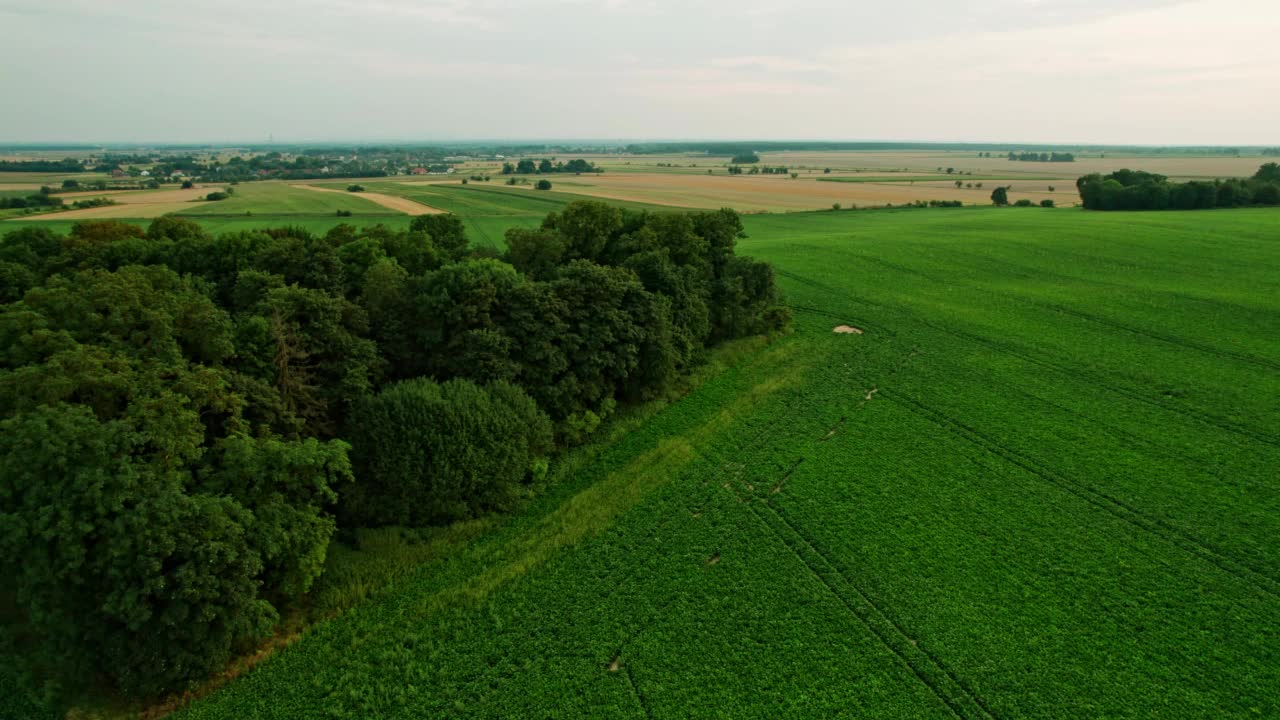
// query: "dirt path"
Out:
[404,205]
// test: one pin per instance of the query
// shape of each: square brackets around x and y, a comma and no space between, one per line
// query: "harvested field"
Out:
[399,204]
[773,194]
[130,204]
[968,161]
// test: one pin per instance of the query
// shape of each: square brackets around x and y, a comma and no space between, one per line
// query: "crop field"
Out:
[284,199]
[1175,166]
[1033,478]
[767,193]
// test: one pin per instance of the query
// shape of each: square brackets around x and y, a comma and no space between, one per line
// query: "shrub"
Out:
[1046,203]
[1024,203]
[543,185]
[187,184]
[344,213]
[835,206]
[430,453]
[217,195]
[355,188]
[1000,196]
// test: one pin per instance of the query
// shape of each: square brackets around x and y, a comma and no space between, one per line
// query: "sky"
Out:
[1152,72]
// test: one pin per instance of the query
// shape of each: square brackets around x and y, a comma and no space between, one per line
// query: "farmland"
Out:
[1040,483]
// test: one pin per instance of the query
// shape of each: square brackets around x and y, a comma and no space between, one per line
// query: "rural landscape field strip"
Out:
[937,518]
[1069,371]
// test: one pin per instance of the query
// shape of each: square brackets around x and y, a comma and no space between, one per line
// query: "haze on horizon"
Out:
[1163,72]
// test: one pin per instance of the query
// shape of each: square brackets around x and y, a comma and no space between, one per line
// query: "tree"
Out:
[1269,172]
[508,168]
[187,185]
[545,166]
[431,453]
[543,185]
[355,188]
[745,158]
[445,231]
[1000,196]
[525,167]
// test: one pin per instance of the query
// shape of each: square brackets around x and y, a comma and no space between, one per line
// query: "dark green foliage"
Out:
[446,232]
[116,388]
[1024,202]
[1137,190]
[176,406]
[1046,203]
[747,158]
[430,453]
[1000,196]
[355,188]
[543,185]
[1043,157]
[217,195]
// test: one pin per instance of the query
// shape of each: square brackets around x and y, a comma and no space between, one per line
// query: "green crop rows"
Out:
[1042,484]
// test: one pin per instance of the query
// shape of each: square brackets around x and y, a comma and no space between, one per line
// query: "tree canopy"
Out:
[185,418]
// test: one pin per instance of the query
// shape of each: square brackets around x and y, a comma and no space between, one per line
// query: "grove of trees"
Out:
[185,419]
[1042,157]
[545,166]
[1139,190]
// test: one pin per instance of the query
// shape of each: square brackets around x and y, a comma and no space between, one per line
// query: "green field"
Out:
[278,198]
[487,211]
[1042,484]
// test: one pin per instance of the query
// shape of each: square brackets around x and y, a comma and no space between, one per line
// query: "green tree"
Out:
[543,185]
[1000,196]
[431,453]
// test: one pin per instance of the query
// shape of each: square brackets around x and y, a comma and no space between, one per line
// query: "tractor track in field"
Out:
[1096,379]
[926,667]
[1130,514]
[709,486]
[1170,339]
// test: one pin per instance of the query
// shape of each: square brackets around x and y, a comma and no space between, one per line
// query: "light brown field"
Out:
[399,204]
[754,193]
[130,204]
[968,161]
[20,186]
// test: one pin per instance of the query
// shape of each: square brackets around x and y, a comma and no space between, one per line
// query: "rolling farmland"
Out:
[1039,483]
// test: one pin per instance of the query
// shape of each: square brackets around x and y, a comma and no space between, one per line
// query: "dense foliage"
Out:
[176,407]
[69,165]
[1139,190]
[1042,157]
[544,166]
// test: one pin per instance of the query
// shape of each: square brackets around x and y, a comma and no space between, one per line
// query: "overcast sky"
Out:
[1102,71]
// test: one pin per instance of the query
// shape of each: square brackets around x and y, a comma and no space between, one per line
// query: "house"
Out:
[117,173]
[418,171]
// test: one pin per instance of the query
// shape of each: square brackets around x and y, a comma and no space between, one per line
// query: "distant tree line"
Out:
[1271,152]
[42,199]
[758,170]
[1139,190]
[1042,157]
[185,419]
[545,166]
[746,158]
[68,165]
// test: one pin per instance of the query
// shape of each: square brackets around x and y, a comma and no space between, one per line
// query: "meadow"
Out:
[1039,482]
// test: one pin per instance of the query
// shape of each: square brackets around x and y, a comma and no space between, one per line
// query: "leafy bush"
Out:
[217,195]
[543,185]
[1024,203]
[430,452]
[1046,203]
[355,188]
